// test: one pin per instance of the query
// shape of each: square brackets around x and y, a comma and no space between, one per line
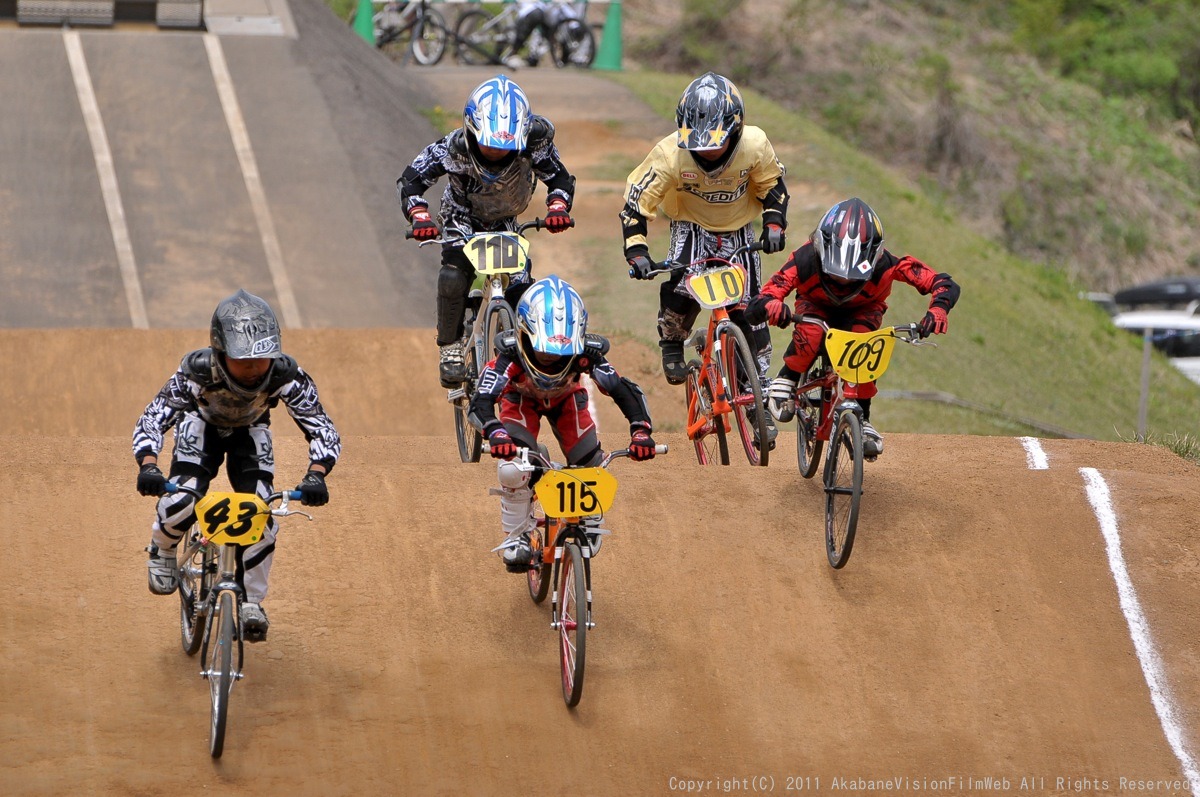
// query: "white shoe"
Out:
[872,441]
[514,62]
[162,572]
[781,398]
[516,550]
[254,622]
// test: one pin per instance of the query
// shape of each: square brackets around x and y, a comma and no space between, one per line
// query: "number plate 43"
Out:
[578,492]
[232,518]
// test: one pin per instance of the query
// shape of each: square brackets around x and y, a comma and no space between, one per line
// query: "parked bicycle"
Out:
[724,380]
[571,504]
[824,413]
[485,38]
[409,27]
[496,258]
[210,597]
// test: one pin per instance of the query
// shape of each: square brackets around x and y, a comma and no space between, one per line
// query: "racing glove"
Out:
[423,226]
[557,219]
[313,491]
[641,444]
[640,264]
[773,239]
[500,445]
[151,481]
[934,323]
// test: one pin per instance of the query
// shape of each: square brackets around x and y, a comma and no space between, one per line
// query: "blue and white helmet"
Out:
[551,323]
[498,115]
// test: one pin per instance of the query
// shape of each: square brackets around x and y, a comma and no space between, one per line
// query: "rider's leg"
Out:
[453,285]
[194,463]
[251,469]
[676,316]
[574,426]
[522,420]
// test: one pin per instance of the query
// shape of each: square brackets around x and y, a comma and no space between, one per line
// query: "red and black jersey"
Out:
[802,274]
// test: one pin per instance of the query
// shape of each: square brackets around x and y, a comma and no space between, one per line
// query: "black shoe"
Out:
[674,368]
[772,431]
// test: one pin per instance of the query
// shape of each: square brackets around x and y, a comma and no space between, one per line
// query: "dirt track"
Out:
[976,631]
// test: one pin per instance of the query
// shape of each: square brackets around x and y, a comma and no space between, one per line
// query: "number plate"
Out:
[718,287]
[232,518]
[860,356]
[577,492]
[498,253]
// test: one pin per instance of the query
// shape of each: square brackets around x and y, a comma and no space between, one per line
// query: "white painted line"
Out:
[258,197]
[1139,629]
[1034,454]
[108,179]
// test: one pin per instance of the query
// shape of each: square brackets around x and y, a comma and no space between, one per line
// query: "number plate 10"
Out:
[578,492]
[717,287]
[232,518]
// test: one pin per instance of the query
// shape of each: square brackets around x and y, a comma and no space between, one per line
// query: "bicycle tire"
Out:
[572,622]
[429,38]
[475,44]
[843,488]
[470,439]
[808,420]
[740,371]
[500,318]
[710,442]
[194,585]
[219,665]
[572,44]
[539,576]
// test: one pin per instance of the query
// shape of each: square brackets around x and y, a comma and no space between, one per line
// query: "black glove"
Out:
[640,264]
[756,309]
[423,226]
[151,480]
[501,446]
[641,444]
[313,491]
[773,239]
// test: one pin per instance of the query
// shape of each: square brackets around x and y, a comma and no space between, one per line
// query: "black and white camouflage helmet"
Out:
[244,326]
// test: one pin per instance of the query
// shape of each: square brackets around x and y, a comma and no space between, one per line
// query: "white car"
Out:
[1176,333]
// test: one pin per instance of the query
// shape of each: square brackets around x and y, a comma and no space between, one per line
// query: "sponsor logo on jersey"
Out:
[689,175]
[717,197]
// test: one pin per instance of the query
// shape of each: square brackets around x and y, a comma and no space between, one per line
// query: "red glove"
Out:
[557,219]
[501,446]
[423,228]
[934,323]
[778,314]
[641,444]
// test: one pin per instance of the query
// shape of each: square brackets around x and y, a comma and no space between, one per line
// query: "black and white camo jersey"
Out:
[199,387]
[469,201]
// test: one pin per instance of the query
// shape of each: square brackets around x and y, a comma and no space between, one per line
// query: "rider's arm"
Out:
[492,382]
[299,395]
[940,287]
[422,173]
[160,415]
[625,393]
[547,165]
[645,189]
[767,178]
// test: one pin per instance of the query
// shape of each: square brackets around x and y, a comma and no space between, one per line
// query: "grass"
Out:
[1021,342]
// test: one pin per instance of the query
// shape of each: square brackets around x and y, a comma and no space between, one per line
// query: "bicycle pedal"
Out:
[518,568]
[254,636]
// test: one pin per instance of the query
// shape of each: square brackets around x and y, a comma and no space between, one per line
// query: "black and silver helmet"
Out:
[849,242]
[244,327]
[709,114]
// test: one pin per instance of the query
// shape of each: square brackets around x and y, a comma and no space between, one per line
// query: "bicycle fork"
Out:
[556,619]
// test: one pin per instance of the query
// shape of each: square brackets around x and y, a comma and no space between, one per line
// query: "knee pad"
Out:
[452,282]
[512,475]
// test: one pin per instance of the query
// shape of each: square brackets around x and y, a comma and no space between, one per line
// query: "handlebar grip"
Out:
[408,234]
[293,495]
[661,448]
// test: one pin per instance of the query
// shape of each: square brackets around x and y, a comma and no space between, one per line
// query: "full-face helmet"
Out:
[849,242]
[709,114]
[244,327]
[551,323]
[497,115]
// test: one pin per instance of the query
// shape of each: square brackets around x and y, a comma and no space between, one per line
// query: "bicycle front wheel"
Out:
[706,430]
[429,38]
[477,42]
[499,319]
[740,371]
[573,44]
[219,666]
[196,575]
[843,488]
[572,622]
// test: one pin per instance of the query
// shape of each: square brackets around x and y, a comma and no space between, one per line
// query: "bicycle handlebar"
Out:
[527,454]
[909,333]
[670,265]
[289,495]
[536,224]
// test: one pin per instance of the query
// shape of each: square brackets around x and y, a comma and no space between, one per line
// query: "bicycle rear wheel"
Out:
[538,578]
[572,621]
[219,666]
[476,41]
[808,421]
[196,576]
[710,441]
[429,38]
[741,374]
[572,44]
[470,439]
[843,487]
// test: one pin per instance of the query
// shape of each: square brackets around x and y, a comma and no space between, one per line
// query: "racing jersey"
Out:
[749,185]
[198,386]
